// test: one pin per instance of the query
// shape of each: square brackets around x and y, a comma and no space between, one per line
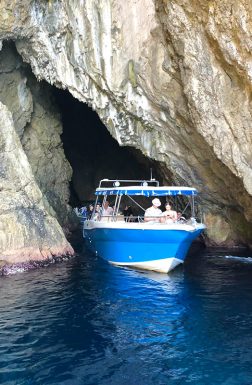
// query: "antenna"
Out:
[151,174]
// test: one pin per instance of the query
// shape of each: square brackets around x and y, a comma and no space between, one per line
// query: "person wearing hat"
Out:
[153,213]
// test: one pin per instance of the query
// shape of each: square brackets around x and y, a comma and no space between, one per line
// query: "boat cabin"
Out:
[122,194]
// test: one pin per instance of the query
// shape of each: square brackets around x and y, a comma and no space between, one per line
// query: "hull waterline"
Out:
[156,248]
[159,265]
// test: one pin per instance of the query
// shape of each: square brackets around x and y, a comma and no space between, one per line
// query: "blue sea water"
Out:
[86,322]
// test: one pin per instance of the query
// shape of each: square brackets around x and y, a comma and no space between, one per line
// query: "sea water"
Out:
[87,322]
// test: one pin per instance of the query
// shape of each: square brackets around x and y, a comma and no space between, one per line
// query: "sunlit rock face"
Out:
[38,125]
[34,174]
[27,230]
[171,78]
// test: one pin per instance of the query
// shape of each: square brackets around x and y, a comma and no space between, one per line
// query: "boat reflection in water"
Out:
[134,277]
[132,241]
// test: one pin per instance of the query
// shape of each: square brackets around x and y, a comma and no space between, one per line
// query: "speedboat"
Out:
[132,241]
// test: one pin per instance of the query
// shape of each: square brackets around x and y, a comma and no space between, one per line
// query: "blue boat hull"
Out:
[142,248]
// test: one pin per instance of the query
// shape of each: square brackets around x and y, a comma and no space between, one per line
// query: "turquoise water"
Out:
[86,322]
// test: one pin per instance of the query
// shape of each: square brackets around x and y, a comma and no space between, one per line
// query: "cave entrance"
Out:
[39,111]
[93,153]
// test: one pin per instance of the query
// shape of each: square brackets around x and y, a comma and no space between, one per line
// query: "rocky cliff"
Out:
[34,172]
[170,78]
[27,230]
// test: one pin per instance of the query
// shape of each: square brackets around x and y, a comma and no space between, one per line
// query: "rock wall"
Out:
[171,78]
[34,174]
[27,230]
[38,125]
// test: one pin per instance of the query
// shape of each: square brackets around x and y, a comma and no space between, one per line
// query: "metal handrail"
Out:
[140,218]
[140,182]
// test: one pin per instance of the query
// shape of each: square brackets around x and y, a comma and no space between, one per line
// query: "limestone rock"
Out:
[42,144]
[171,78]
[14,92]
[27,231]
[38,124]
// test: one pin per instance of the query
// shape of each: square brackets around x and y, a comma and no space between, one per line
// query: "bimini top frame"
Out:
[148,188]
[109,183]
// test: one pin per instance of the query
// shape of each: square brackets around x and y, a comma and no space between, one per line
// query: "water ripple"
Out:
[86,322]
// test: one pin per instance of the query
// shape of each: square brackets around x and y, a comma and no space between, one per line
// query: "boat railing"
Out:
[141,219]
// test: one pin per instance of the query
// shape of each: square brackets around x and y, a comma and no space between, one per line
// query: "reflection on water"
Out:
[87,322]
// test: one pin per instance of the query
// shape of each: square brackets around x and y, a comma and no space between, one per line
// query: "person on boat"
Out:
[169,215]
[107,210]
[83,211]
[128,213]
[180,218]
[90,211]
[153,213]
[97,214]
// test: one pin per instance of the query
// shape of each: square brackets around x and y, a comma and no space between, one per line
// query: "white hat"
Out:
[156,202]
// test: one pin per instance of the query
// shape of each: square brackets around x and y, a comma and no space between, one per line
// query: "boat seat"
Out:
[106,219]
[119,218]
[110,218]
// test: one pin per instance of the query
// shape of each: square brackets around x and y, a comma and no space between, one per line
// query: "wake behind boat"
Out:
[139,241]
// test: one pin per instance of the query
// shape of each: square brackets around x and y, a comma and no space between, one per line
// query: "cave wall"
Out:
[27,230]
[37,122]
[34,173]
[170,78]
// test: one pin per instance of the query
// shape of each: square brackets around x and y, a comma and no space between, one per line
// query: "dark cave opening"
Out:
[93,153]
[45,118]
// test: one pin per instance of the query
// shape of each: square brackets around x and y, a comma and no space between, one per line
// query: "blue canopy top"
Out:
[149,191]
